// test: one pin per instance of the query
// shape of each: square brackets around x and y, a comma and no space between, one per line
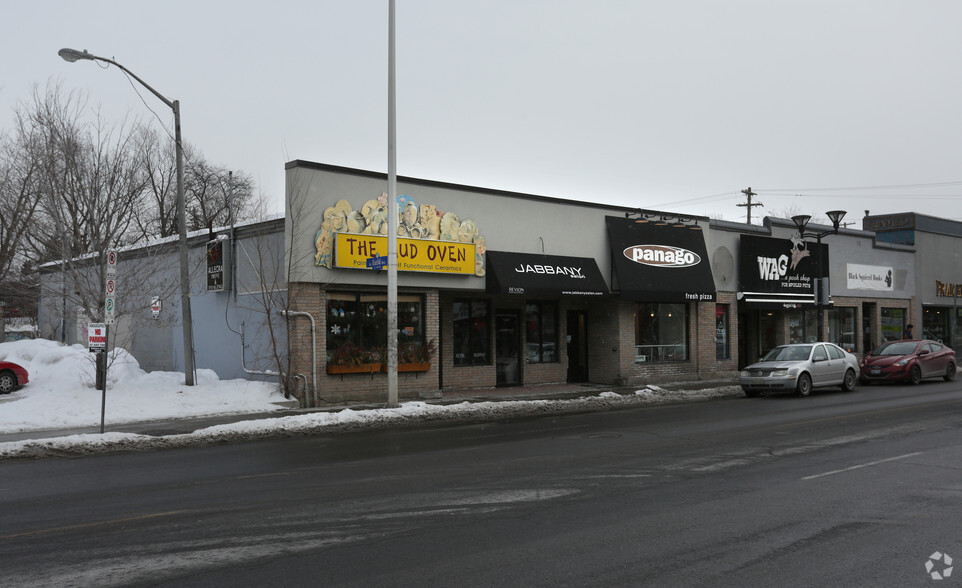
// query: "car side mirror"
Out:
[923,352]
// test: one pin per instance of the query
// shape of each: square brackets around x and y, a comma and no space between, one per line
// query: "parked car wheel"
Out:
[915,376]
[949,372]
[8,383]
[848,384]
[804,385]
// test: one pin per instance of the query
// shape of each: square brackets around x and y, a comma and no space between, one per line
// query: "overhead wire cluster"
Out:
[908,192]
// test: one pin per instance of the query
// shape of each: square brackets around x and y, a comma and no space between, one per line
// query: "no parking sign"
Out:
[96,337]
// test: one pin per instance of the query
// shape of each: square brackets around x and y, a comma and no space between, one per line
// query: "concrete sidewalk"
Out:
[515,393]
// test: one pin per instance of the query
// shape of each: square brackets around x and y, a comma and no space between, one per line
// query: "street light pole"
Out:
[72,55]
[392,318]
[801,221]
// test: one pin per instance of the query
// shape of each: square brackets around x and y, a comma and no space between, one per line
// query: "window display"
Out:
[661,332]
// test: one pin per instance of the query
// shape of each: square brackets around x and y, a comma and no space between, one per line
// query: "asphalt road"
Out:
[834,489]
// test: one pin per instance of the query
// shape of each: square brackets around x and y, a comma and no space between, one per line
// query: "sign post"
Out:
[110,289]
[97,344]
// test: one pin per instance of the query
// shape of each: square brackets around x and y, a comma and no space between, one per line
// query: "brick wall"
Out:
[462,377]
[486,376]
[701,363]
[353,388]
[607,341]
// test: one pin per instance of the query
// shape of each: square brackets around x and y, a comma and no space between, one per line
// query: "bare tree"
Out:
[90,185]
[98,187]
[157,157]
[19,199]
[215,195]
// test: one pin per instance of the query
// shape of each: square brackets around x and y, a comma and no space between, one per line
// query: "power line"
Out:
[873,196]
[720,196]
[885,187]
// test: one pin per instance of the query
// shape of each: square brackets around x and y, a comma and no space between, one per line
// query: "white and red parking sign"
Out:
[96,337]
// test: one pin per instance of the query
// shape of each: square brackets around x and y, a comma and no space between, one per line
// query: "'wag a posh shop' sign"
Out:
[784,269]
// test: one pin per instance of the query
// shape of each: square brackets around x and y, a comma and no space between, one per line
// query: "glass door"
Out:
[577,339]
[508,349]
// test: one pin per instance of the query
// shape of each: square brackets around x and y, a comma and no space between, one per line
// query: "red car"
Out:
[908,361]
[12,376]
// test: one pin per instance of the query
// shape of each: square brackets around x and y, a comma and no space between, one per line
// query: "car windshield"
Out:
[793,353]
[897,348]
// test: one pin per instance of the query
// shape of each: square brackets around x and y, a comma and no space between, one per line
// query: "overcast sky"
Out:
[677,106]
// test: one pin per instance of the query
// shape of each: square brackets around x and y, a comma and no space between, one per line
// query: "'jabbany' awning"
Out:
[530,274]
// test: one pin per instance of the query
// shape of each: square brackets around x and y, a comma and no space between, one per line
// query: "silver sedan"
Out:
[799,368]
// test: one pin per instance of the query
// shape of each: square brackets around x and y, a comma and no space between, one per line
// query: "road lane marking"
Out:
[859,466]
[92,524]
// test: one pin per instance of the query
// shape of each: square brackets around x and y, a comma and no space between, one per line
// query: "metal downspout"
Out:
[244,362]
[290,313]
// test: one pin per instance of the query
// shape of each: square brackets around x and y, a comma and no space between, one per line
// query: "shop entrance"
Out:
[577,337]
[507,349]
[743,356]
[757,334]
[869,337]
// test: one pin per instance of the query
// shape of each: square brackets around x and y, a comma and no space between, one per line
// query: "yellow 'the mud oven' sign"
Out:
[413,255]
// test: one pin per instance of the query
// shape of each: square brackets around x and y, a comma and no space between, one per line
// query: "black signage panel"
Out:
[543,275]
[660,262]
[779,271]
[215,266]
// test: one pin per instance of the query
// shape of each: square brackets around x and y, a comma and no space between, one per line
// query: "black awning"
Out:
[660,262]
[542,275]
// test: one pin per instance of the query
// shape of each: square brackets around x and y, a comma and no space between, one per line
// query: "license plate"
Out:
[876,372]
[758,381]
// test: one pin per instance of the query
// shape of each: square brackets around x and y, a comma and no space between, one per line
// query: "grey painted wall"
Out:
[940,258]
[157,343]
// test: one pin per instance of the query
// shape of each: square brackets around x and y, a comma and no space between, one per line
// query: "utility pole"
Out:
[392,386]
[749,204]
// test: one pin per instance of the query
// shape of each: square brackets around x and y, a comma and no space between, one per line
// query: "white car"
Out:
[799,368]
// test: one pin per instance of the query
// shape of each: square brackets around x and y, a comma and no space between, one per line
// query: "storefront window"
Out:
[357,326]
[541,332]
[935,323]
[722,350]
[841,328]
[893,323]
[802,326]
[472,342]
[661,332]
[955,332]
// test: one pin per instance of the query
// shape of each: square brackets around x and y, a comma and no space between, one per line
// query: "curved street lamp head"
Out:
[836,216]
[73,55]
[801,221]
